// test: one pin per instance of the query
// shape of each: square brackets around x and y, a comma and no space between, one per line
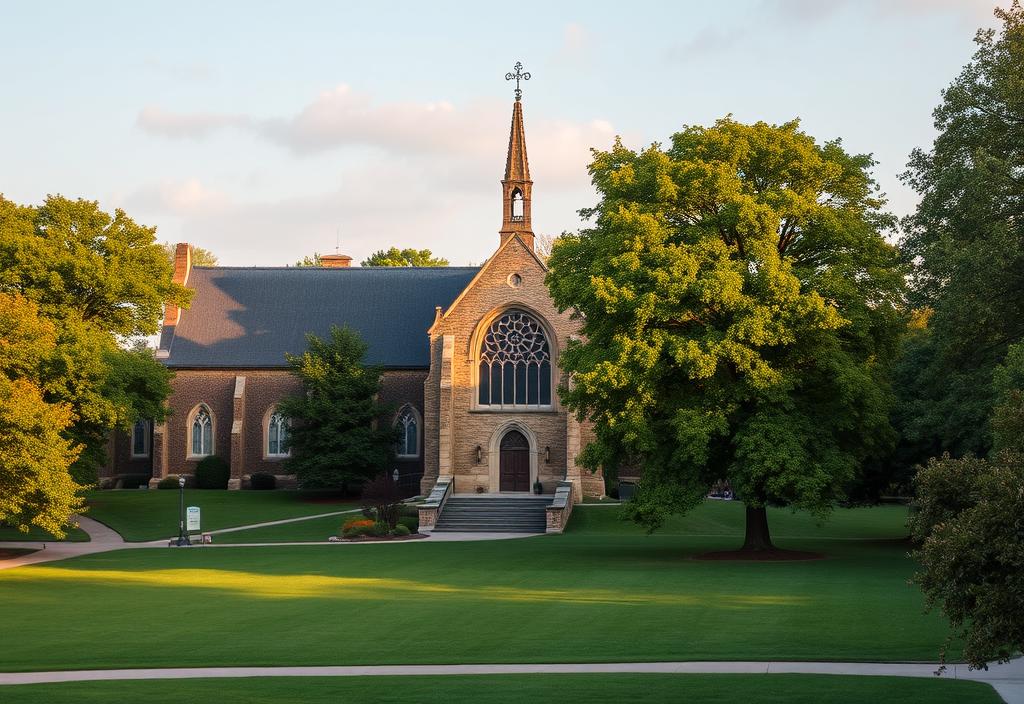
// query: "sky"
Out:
[265,131]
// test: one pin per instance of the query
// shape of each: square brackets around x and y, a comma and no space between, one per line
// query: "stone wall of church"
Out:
[453,406]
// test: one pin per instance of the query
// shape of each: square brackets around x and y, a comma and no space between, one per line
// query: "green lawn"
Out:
[495,689]
[152,515]
[75,535]
[313,530]
[603,591]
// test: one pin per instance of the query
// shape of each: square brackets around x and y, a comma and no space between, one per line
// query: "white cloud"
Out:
[707,41]
[430,178]
[156,120]
[468,139]
[970,11]
[181,198]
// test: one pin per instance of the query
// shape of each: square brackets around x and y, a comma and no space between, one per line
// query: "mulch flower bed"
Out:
[383,539]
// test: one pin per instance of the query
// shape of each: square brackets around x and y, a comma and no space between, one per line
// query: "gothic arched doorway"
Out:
[514,463]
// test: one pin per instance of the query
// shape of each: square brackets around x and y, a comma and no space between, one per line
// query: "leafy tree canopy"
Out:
[967,524]
[96,280]
[966,241]
[739,307]
[404,257]
[76,261]
[36,487]
[335,438]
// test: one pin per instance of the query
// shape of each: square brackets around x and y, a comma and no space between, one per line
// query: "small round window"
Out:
[515,280]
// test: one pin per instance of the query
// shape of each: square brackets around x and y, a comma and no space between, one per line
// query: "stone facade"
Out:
[462,438]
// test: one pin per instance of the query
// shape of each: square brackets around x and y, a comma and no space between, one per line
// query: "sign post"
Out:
[182,534]
[192,518]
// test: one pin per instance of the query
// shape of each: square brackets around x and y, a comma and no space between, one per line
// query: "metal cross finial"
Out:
[518,75]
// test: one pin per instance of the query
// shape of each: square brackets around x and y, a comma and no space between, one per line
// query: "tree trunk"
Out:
[757,537]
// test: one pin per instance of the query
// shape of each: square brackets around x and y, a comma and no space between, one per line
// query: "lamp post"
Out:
[182,535]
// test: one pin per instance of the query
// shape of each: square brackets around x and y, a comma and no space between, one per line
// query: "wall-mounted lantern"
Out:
[547,453]
[479,454]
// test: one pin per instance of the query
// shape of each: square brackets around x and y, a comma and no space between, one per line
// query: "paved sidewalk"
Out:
[1008,680]
[101,539]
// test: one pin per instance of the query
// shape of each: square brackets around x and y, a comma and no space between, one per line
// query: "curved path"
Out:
[1008,679]
[103,538]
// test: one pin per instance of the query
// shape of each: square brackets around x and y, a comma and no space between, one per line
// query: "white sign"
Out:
[192,518]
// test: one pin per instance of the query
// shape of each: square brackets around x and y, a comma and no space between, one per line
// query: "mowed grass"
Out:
[74,535]
[153,514]
[313,530]
[502,689]
[602,592]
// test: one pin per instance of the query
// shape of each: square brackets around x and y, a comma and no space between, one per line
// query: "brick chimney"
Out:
[182,268]
[335,261]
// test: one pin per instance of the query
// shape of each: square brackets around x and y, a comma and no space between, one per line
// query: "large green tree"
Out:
[404,257]
[336,438]
[36,486]
[966,242]
[101,280]
[739,309]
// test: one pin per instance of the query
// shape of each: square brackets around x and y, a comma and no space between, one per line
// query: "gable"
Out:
[493,281]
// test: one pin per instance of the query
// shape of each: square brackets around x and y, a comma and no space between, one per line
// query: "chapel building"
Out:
[470,358]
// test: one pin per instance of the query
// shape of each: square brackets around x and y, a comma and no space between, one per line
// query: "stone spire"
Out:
[516,186]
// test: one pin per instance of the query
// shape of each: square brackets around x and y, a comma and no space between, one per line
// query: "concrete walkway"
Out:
[1008,680]
[101,539]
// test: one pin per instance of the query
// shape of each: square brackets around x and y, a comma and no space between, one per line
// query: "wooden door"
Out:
[514,467]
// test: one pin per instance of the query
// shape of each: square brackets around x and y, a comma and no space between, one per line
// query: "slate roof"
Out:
[249,317]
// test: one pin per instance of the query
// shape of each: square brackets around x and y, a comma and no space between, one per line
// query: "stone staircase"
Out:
[494,514]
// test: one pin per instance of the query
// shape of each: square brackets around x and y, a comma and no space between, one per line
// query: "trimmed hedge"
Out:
[212,473]
[168,483]
[261,481]
[410,523]
[134,481]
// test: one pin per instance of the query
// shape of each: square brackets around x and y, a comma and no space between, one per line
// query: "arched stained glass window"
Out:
[515,363]
[277,435]
[140,439]
[202,433]
[408,433]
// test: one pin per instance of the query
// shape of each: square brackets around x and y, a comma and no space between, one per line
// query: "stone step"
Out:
[487,529]
[497,501]
[528,520]
[496,511]
[494,514]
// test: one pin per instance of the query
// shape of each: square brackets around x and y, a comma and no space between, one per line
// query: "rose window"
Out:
[515,363]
